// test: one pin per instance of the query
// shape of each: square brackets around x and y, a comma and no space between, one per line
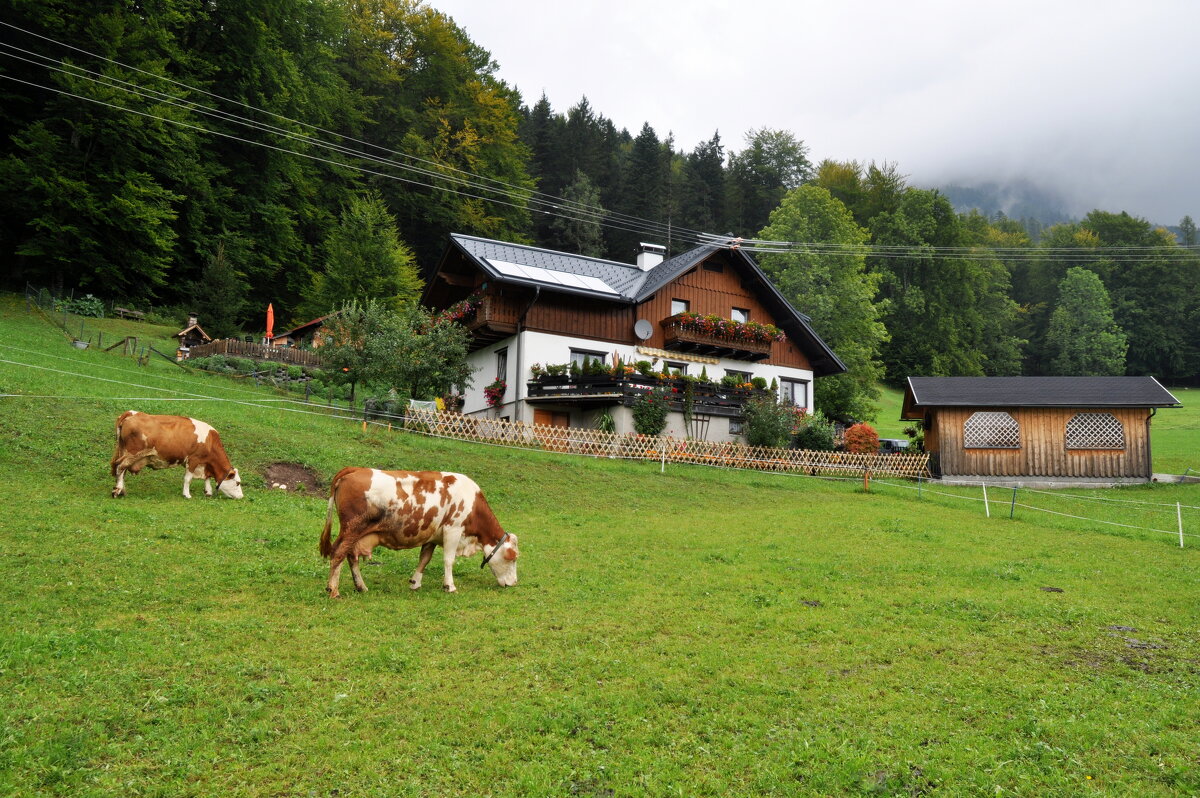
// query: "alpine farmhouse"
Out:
[526,306]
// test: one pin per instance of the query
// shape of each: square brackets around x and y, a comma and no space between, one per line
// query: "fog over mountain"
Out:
[1091,101]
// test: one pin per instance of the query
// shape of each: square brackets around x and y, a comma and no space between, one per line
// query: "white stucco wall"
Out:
[545,348]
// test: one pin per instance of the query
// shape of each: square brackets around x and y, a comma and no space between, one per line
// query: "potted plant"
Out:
[495,391]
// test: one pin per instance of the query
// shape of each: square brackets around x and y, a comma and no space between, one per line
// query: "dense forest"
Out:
[221,155]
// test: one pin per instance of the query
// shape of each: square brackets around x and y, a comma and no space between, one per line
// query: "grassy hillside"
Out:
[698,632]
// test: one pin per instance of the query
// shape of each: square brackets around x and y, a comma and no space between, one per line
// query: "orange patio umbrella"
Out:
[270,319]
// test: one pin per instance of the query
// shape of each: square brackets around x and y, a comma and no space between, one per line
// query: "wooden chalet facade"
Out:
[526,306]
[1015,429]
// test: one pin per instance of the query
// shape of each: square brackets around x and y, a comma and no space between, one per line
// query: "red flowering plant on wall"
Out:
[494,392]
[728,329]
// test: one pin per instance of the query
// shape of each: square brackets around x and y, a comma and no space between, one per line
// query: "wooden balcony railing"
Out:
[683,339]
[715,400]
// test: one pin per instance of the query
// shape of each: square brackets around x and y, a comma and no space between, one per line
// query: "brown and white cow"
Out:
[149,441]
[406,509]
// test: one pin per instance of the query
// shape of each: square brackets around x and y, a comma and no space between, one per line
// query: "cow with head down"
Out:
[149,441]
[407,509]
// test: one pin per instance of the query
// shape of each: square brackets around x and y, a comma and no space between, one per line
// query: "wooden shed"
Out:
[1052,428]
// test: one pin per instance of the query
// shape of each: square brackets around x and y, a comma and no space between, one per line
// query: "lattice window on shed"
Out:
[991,430]
[1095,431]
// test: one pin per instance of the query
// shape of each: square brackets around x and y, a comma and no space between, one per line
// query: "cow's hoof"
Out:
[450,588]
[118,494]
[414,584]
[362,589]
[333,593]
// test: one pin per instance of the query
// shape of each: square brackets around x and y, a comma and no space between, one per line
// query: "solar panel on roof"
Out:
[551,276]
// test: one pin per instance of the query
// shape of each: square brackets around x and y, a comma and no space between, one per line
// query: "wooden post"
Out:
[1012,507]
[866,479]
[986,508]
[1179,520]
[918,486]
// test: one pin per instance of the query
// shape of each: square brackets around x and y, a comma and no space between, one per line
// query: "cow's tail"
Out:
[117,451]
[326,547]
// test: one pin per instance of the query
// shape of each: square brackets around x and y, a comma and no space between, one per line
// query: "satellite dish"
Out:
[643,329]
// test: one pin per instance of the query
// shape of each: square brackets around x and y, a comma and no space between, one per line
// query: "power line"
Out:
[550,201]
[542,203]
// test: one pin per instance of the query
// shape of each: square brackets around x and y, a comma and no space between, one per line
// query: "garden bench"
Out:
[126,313]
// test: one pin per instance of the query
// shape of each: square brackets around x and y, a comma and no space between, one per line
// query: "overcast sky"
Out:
[1099,100]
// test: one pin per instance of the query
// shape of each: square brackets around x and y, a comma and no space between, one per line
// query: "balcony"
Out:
[494,319]
[708,335]
[604,390]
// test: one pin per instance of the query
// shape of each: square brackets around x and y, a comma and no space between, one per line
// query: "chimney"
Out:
[191,320]
[650,255]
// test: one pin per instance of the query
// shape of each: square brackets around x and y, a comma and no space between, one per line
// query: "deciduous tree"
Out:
[1083,339]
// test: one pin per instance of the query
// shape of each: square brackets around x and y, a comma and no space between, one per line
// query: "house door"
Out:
[553,440]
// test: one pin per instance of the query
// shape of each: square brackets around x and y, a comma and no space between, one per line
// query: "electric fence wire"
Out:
[413,424]
[522,197]
[1006,502]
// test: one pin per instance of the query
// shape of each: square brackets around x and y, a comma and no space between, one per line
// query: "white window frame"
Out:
[502,364]
[582,356]
[740,314]
[680,306]
[787,391]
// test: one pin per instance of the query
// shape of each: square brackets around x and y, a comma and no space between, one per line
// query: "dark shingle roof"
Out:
[633,285]
[621,277]
[1039,392]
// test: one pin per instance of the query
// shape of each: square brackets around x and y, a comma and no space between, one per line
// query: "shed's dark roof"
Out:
[1039,392]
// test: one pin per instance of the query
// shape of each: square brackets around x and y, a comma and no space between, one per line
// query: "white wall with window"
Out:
[794,392]
[545,348]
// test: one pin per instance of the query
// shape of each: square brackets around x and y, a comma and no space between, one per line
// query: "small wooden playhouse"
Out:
[1094,429]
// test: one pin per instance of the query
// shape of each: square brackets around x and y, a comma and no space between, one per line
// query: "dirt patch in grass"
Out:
[293,477]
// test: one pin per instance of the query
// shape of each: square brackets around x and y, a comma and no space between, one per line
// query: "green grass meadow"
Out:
[695,632]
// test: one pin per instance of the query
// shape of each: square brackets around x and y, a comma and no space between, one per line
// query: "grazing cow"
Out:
[145,440]
[406,509]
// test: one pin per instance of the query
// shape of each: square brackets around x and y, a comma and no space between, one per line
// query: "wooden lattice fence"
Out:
[597,443]
[236,348]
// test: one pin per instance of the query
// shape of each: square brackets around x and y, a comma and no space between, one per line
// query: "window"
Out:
[736,427]
[679,306]
[502,364]
[743,376]
[580,357]
[794,392]
[991,430]
[740,314]
[1095,431]
[674,366]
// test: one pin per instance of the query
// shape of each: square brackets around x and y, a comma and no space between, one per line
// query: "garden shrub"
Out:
[759,383]
[86,305]
[768,422]
[815,433]
[862,439]
[650,412]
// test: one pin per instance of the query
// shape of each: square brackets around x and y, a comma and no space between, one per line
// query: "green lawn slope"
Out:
[693,632]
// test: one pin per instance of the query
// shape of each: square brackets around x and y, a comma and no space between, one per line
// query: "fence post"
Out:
[1179,520]
[986,508]
[918,486]
[1012,507]
[663,470]
[866,479]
